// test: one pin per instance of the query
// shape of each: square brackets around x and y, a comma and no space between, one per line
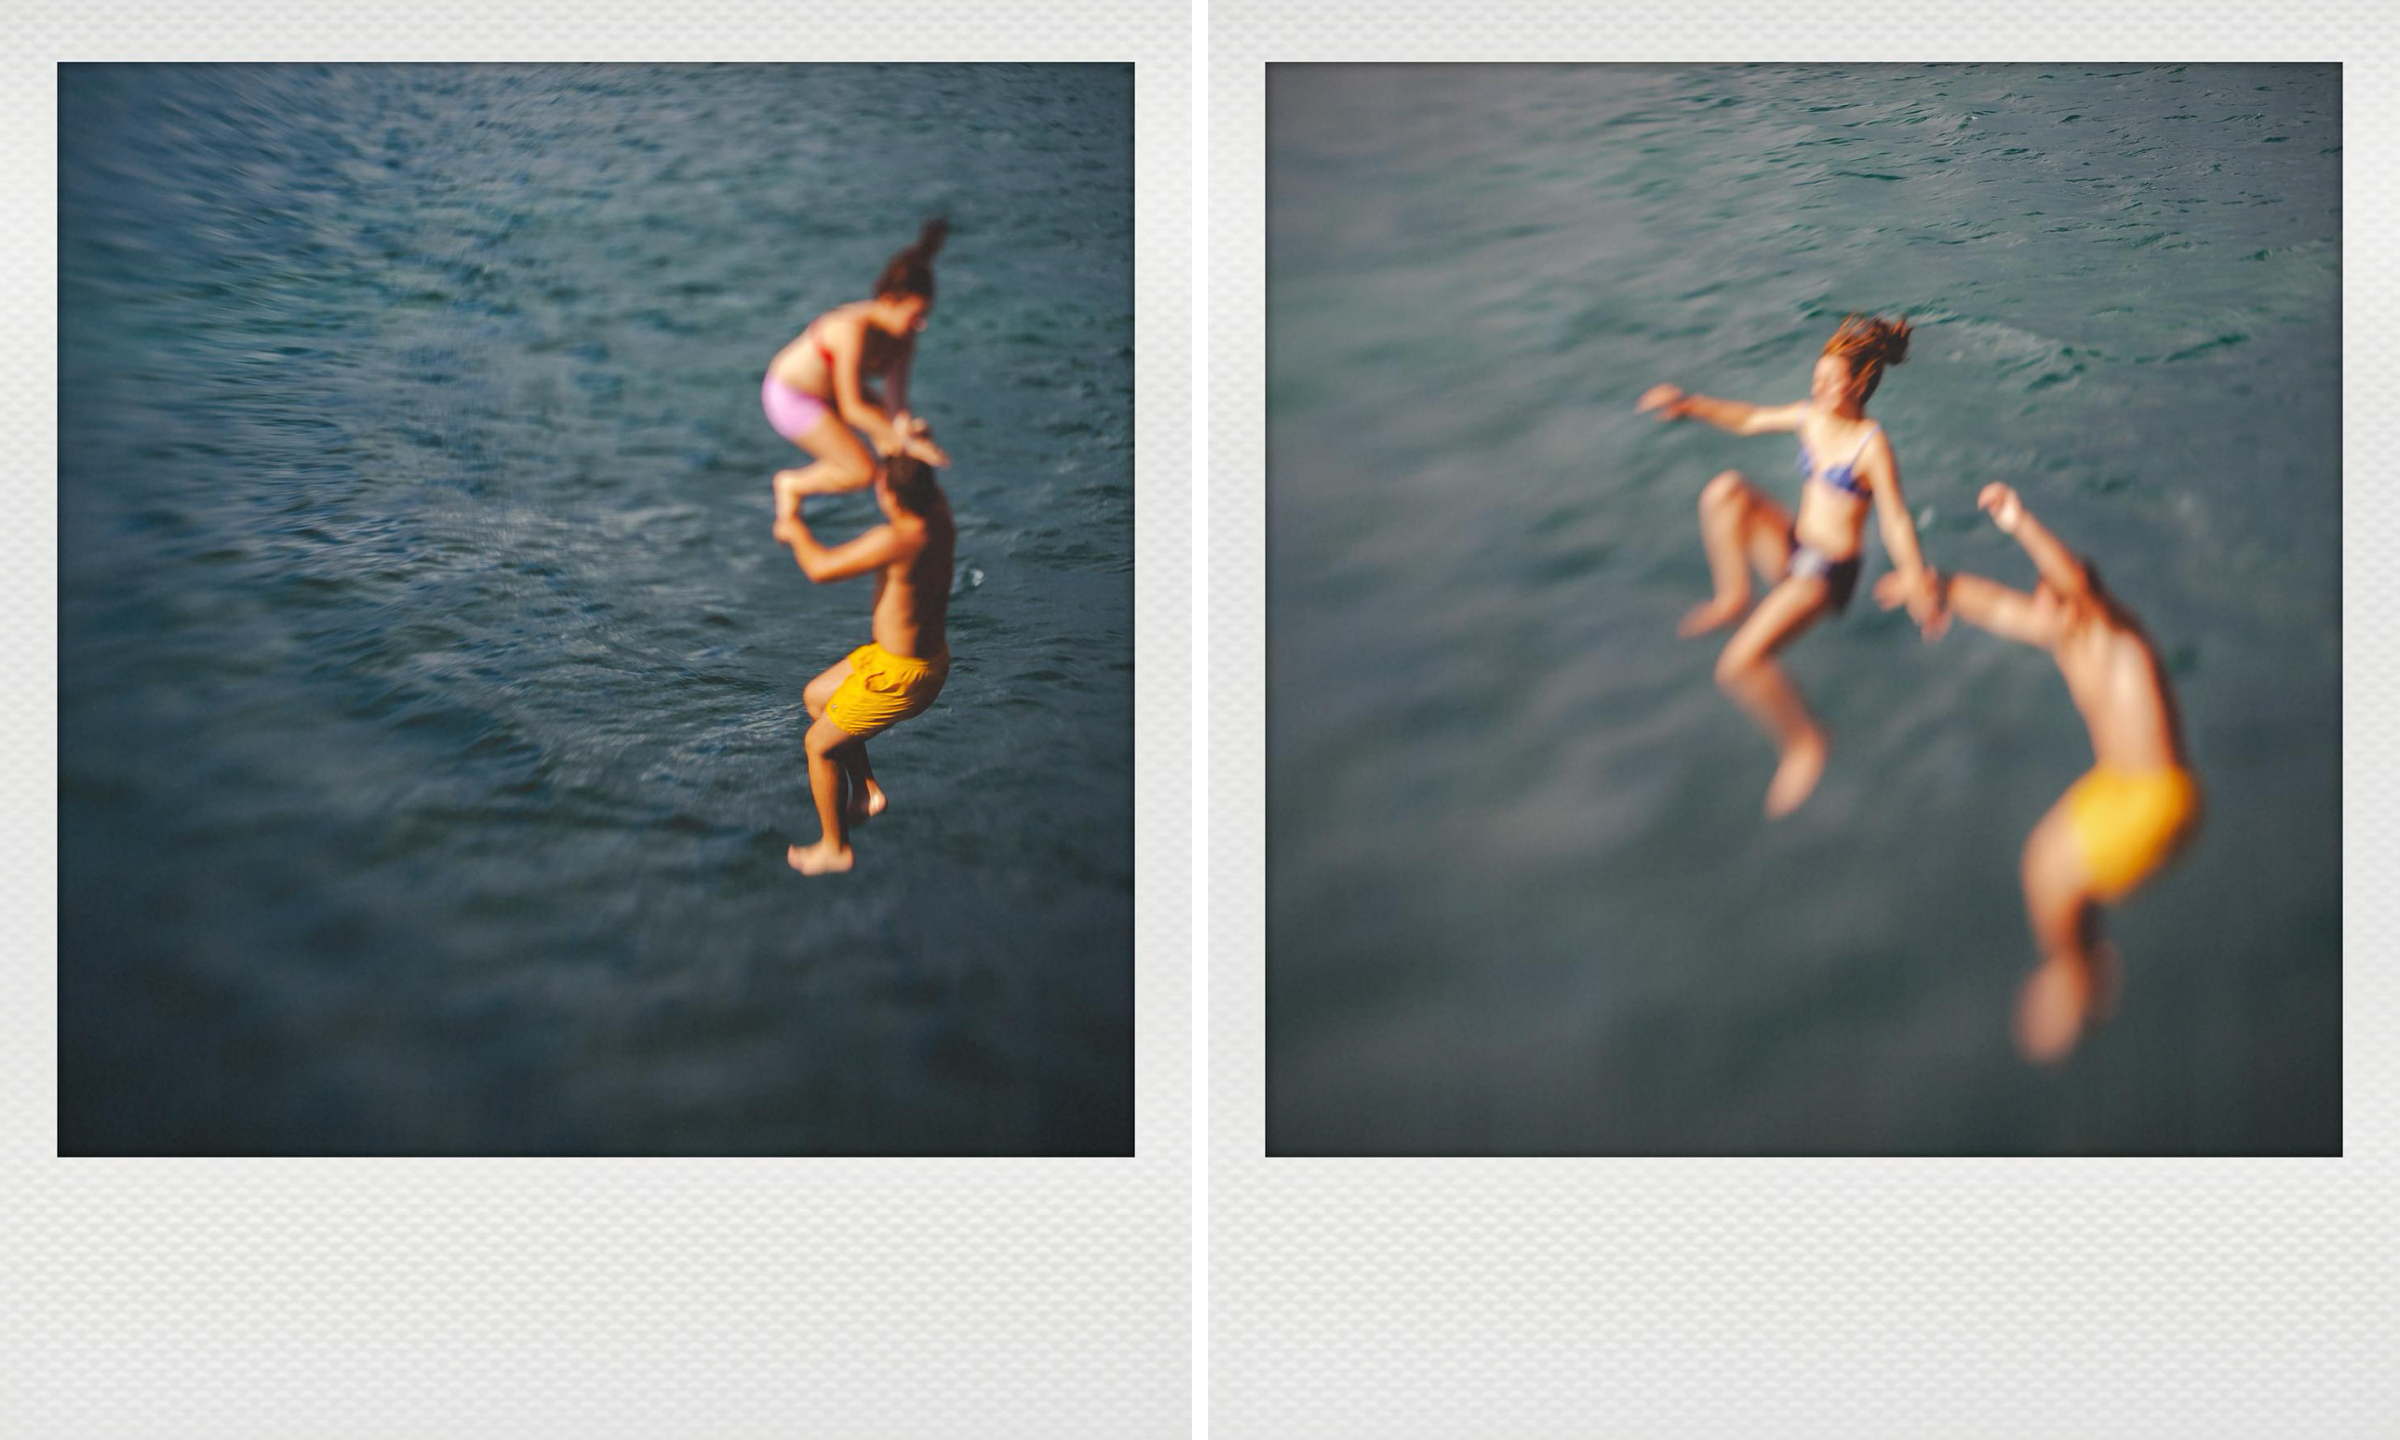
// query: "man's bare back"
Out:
[2120,688]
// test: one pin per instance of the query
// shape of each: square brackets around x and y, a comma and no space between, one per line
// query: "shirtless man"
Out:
[895,675]
[2120,823]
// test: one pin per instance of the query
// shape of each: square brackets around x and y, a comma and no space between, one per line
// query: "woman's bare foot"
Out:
[821,858]
[866,804]
[1803,764]
[2051,1010]
[1712,615]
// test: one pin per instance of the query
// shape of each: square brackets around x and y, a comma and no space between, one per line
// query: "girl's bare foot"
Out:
[821,858]
[1712,615]
[1803,764]
[866,804]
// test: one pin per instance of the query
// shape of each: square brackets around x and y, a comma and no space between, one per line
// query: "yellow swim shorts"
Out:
[2131,822]
[883,689]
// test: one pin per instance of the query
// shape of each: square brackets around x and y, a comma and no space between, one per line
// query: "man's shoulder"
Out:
[915,532]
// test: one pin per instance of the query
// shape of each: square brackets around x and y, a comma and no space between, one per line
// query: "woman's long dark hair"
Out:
[911,271]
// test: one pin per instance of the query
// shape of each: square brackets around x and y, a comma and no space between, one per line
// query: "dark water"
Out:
[430,690]
[1520,895]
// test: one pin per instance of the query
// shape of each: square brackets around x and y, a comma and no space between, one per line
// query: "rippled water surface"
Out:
[430,686]
[1520,896]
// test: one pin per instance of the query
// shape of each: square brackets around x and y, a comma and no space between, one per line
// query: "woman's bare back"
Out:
[801,364]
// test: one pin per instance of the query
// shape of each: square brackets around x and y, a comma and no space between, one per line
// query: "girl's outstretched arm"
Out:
[1738,416]
[916,435]
[1899,529]
[895,384]
[847,344]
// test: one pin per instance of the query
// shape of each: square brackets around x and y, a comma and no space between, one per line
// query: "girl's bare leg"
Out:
[1741,528]
[1747,671]
[842,463]
[2077,976]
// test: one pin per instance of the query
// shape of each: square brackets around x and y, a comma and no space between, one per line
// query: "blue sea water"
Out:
[1520,896]
[430,685]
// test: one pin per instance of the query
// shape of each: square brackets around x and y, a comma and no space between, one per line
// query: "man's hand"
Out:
[1667,400]
[2001,503]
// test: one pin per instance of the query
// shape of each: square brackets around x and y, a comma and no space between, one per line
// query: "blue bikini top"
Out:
[1841,477]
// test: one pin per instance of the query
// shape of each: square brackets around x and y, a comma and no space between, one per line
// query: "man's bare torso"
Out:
[912,594]
[2118,684]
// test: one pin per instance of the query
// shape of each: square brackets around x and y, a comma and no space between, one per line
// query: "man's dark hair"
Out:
[911,481]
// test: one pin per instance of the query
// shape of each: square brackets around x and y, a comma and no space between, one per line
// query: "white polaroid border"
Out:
[1853,1298]
[588,1298]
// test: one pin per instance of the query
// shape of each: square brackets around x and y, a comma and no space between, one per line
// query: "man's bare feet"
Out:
[866,803]
[2051,1010]
[1712,615]
[1803,764]
[821,858]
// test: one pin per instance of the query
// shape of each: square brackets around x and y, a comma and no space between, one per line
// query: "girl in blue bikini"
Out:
[1847,465]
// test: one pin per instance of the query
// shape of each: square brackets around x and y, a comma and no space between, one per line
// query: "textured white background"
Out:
[332,1298]
[1760,1298]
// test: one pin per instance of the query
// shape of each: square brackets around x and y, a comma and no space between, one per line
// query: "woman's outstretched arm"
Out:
[1740,417]
[1881,468]
[846,345]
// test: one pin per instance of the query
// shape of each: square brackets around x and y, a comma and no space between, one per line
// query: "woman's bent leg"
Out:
[1747,671]
[1740,528]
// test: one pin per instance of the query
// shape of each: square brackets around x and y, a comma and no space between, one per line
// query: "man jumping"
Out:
[893,676]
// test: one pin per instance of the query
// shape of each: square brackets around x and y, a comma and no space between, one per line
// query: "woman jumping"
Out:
[1846,464]
[817,389]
